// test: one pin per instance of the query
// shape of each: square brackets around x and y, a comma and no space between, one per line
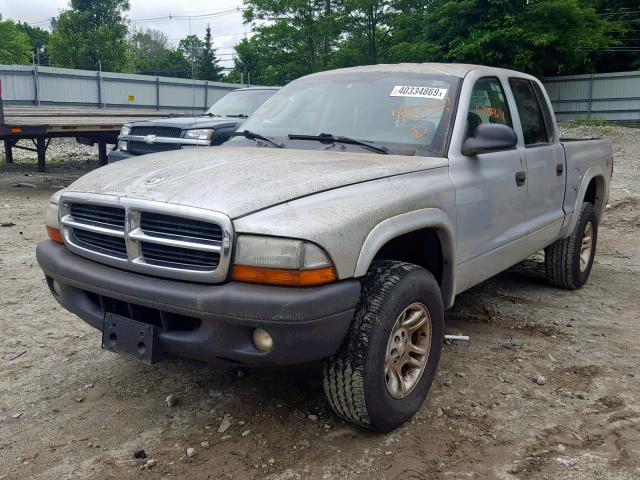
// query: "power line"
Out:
[189,18]
[194,12]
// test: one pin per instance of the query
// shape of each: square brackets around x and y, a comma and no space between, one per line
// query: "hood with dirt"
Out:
[238,181]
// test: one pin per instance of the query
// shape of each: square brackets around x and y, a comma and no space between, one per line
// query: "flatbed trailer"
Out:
[89,126]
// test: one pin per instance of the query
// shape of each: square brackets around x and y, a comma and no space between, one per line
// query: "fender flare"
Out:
[591,173]
[410,222]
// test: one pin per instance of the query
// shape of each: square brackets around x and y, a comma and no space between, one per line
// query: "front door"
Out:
[491,204]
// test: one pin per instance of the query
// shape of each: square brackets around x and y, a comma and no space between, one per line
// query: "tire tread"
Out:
[560,255]
[344,372]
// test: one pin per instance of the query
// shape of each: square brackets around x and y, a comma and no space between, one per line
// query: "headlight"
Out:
[281,261]
[125,130]
[200,134]
[52,223]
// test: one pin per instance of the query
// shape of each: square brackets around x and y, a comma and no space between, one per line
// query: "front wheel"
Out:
[384,369]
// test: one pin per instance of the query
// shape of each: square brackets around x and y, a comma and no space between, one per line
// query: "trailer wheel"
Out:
[384,369]
[568,261]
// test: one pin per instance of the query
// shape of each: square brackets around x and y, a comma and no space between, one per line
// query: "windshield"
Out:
[402,109]
[240,103]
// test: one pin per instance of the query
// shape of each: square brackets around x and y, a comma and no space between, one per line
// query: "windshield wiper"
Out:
[238,115]
[256,136]
[209,114]
[329,138]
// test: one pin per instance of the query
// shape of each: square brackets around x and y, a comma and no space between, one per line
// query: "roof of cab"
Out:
[453,69]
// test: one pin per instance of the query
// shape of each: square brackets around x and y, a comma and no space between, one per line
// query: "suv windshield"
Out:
[395,109]
[240,103]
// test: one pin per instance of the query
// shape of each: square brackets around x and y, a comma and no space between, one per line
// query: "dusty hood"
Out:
[237,181]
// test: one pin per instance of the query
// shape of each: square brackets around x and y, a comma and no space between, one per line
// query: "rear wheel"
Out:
[568,261]
[384,369]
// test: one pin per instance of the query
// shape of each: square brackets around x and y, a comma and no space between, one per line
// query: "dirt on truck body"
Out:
[546,388]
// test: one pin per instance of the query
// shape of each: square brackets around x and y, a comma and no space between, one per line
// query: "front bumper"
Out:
[206,322]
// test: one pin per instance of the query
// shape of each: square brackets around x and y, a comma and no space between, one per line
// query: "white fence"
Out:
[607,96]
[27,85]
[614,97]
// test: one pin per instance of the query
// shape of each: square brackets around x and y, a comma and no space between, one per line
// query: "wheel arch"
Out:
[430,227]
[595,194]
[593,188]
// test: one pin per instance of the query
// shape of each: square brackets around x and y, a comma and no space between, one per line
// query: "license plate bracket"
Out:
[130,338]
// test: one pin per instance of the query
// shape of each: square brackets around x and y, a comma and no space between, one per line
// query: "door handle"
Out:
[521,177]
[559,169]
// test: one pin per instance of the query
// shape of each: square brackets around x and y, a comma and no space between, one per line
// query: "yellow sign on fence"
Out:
[132,99]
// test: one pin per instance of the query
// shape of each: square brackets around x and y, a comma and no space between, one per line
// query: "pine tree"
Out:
[208,66]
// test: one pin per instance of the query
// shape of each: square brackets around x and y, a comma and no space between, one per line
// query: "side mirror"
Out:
[490,137]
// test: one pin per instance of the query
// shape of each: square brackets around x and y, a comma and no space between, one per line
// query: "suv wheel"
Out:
[568,261]
[382,373]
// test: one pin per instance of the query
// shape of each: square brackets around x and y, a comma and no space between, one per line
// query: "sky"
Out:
[227,28]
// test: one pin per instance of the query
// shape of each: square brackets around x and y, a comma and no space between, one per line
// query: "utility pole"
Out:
[325,52]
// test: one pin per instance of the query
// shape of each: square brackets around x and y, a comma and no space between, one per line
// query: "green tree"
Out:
[39,39]
[148,52]
[297,35]
[625,53]
[366,24]
[542,37]
[15,45]
[207,64]
[191,48]
[92,33]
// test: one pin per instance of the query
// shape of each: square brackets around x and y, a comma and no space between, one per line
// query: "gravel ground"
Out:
[70,410]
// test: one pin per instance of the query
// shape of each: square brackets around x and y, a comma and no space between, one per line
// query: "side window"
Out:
[534,126]
[546,113]
[488,105]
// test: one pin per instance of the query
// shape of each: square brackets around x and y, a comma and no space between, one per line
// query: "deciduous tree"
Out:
[92,33]
[15,46]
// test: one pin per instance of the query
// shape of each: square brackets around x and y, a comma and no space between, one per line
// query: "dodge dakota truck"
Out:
[338,225]
[213,128]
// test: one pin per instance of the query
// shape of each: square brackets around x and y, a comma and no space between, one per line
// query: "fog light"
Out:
[56,287]
[262,340]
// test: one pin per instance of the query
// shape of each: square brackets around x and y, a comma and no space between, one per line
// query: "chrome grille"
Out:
[142,148]
[148,237]
[105,244]
[98,215]
[170,226]
[171,132]
[179,257]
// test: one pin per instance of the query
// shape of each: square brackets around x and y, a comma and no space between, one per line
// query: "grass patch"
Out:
[592,122]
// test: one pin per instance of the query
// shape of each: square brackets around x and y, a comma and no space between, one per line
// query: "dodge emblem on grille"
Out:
[150,139]
[153,180]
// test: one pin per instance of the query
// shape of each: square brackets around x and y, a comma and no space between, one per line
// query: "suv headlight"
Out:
[200,134]
[281,261]
[125,130]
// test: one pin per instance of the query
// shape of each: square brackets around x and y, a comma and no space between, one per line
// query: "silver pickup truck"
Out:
[341,223]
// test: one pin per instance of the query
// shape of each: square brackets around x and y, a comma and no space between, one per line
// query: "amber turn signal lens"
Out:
[280,277]
[54,234]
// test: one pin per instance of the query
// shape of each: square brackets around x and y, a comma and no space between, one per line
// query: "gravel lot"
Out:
[70,410]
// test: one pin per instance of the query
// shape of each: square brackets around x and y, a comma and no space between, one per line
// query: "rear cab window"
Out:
[488,105]
[535,117]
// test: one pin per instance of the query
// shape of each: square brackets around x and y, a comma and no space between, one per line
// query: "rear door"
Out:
[544,157]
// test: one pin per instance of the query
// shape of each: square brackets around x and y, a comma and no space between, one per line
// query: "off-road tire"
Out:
[562,258]
[354,379]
